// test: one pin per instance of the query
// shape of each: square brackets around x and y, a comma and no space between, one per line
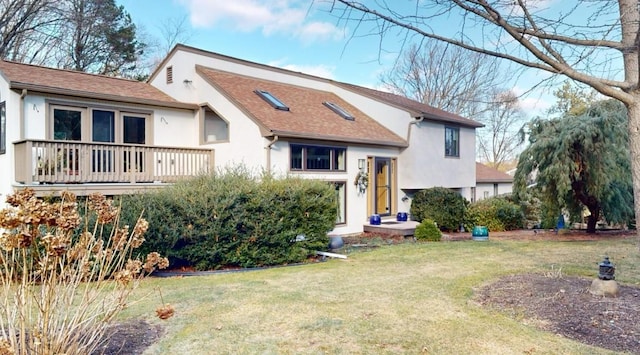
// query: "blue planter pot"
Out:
[375,220]
[480,233]
[402,216]
[336,242]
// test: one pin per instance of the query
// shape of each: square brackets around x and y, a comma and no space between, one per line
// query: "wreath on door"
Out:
[362,181]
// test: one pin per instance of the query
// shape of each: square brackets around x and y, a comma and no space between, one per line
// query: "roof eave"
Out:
[83,94]
[432,117]
[288,134]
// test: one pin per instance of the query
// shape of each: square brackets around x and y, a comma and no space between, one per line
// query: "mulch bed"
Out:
[563,305]
[132,337]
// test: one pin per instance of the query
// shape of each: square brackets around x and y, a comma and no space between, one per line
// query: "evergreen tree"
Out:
[582,161]
[100,37]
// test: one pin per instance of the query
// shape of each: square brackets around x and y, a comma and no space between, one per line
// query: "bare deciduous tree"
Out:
[592,42]
[499,140]
[174,30]
[444,76]
[23,24]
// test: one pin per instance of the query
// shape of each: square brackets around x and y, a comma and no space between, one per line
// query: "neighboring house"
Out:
[491,182]
[263,117]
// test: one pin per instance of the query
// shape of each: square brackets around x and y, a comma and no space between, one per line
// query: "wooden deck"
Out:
[48,166]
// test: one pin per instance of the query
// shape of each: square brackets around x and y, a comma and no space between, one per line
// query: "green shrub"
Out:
[444,206]
[428,231]
[497,214]
[235,218]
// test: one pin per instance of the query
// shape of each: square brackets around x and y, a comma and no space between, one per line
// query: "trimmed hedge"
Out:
[236,219]
[444,206]
[497,214]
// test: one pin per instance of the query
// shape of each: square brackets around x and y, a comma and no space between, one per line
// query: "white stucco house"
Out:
[491,182]
[67,130]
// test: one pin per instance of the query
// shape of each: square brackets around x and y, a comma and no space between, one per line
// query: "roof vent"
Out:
[169,74]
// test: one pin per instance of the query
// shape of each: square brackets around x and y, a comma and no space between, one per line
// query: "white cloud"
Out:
[321,70]
[271,17]
[533,102]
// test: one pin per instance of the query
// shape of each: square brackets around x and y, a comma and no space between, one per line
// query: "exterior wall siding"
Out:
[488,188]
[7,160]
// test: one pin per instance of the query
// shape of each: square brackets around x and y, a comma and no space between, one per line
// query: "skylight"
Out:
[339,110]
[272,100]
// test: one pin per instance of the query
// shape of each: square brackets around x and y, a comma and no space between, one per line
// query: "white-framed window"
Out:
[451,141]
[495,189]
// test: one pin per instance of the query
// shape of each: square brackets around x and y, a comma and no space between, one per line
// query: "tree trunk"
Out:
[592,221]
[634,148]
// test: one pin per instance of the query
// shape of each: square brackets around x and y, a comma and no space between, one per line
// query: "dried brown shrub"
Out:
[62,281]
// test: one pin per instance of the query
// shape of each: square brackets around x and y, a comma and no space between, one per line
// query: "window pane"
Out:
[103,126]
[3,128]
[67,125]
[341,198]
[318,158]
[339,159]
[272,100]
[451,141]
[215,128]
[296,157]
[133,130]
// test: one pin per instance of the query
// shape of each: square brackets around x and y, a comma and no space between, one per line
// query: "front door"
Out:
[382,188]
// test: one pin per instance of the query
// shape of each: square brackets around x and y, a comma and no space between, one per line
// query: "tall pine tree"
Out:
[100,37]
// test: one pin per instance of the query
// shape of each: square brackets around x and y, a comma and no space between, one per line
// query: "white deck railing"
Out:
[59,162]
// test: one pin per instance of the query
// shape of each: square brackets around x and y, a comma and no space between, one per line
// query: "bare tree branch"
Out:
[483,10]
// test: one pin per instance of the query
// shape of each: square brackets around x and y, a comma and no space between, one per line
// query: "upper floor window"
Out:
[310,157]
[67,124]
[272,100]
[339,110]
[214,128]
[3,127]
[451,142]
[88,124]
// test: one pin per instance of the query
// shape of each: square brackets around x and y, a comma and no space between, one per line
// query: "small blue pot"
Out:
[375,220]
[402,216]
[335,242]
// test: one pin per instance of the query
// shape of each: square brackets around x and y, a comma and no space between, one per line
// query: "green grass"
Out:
[409,298]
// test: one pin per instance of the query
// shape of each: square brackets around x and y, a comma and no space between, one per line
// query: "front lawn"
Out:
[408,298]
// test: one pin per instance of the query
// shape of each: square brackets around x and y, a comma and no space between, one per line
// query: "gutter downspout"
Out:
[416,122]
[268,148]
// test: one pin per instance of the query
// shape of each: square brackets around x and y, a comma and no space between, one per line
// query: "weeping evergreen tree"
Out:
[581,161]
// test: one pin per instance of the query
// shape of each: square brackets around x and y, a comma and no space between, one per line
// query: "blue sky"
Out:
[299,35]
